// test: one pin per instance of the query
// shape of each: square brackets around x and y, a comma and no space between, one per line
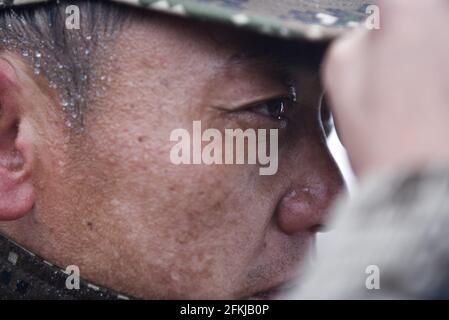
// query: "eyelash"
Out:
[285,105]
[275,108]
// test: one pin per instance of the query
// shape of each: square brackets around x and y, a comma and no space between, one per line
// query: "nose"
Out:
[304,207]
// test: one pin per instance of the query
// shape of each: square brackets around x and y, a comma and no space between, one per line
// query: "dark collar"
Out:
[23,275]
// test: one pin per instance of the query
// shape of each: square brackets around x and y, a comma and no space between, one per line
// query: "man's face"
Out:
[110,201]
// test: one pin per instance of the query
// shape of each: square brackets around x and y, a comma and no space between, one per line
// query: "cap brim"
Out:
[294,19]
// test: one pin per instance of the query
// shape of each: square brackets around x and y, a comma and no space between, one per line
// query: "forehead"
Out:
[179,36]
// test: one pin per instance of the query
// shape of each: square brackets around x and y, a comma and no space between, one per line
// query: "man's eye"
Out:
[274,108]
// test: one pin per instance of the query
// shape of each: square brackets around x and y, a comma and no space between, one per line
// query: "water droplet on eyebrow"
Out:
[293,93]
[283,124]
[25,53]
[282,110]
[88,38]
[38,54]
[37,71]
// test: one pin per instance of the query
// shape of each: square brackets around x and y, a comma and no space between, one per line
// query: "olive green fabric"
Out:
[307,19]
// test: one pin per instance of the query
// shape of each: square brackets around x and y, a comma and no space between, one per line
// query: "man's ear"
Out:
[16,188]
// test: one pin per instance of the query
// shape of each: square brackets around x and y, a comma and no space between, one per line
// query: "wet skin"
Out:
[110,201]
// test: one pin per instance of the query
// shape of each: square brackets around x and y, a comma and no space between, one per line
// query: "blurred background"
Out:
[340,155]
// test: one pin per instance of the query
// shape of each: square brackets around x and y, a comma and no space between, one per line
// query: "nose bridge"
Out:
[314,185]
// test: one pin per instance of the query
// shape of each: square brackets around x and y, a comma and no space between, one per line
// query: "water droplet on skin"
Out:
[65,103]
[283,124]
[293,93]
[175,276]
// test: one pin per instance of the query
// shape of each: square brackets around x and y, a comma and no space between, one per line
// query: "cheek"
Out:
[205,227]
[191,217]
[191,222]
[203,207]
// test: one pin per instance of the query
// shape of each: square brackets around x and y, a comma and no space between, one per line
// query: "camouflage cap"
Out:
[304,19]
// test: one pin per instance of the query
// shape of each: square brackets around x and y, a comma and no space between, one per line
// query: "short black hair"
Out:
[70,59]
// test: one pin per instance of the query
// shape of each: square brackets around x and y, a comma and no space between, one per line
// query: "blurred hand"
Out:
[389,88]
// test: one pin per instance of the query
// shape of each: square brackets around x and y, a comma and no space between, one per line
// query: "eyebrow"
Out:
[282,58]
[266,61]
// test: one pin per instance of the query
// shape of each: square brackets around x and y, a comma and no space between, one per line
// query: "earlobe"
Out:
[16,188]
[16,195]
